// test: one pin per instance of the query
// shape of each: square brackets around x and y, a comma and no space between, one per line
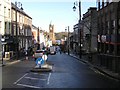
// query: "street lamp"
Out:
[38,39]
[68,44]
[17,6]
[79,29]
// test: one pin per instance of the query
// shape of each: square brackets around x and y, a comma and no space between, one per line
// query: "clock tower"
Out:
[51,33]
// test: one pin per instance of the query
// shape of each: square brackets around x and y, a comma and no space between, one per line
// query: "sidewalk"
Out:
[10,61]
[102,70]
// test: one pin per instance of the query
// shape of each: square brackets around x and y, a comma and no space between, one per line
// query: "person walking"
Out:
[60,51]
[26,55]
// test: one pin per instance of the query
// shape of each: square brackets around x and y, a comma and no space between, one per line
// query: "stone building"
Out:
[5,26]
[75,39]
[89,26]
[21,29]
[109,34]
[52,34]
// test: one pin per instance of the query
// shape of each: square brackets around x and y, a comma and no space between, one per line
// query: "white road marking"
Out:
[35,73]
[34,78]
[20,78]
[48,81]
[31,78]
[28,86]
[13,62]
[39,74]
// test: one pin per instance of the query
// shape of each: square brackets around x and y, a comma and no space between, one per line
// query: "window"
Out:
[105,2]
[9,26]
[113,27]
[5,26]
[101,4]
[0,7]
[119,22]
[9,13]
[5,10]
[108,28]
[119,26]
[0,24]
[110,1]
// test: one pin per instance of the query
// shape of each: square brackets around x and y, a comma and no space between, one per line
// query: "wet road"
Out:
[67,72]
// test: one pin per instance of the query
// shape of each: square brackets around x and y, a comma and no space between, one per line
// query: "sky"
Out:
[57,12]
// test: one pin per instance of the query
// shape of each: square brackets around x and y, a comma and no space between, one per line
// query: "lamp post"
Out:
[38,39]
[17,6]
[79,29]
[68,44]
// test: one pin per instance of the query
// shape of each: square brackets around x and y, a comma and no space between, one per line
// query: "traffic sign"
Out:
[44,57]
[40,61]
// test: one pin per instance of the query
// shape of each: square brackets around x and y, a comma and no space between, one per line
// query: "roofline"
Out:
[19,10]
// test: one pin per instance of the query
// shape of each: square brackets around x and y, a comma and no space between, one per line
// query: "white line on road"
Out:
[20,78]
[34,78]
[28,86]
[48,81]
[31,78]
[13,62]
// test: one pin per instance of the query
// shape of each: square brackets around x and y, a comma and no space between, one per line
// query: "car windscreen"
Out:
[39,51]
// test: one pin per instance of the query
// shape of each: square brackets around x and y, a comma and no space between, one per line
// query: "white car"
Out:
[38,53]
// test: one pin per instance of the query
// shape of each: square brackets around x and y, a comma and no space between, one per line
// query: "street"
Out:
[67,72]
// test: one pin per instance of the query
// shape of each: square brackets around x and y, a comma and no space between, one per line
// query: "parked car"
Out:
[38,53]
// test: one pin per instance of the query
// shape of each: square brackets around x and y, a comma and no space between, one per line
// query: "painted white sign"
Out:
[44,57]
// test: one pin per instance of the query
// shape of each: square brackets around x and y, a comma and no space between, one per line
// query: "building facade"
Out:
[35,35]
[75,39]
[108,34]
[5,25]
[5,17]
[15,29]
[89,24]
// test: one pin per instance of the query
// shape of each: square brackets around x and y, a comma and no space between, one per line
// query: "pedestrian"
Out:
[60,51]
[26,55]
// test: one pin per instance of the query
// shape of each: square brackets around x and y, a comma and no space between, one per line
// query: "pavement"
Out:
[7,61]
[102,70]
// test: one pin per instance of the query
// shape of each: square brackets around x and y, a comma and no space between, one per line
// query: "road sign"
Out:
[40,61]
[44,57]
